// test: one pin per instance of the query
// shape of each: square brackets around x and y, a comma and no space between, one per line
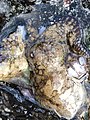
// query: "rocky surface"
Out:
[20,107]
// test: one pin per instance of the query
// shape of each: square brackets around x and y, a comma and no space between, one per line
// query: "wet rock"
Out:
[12,54]
[15,106]
[19,6]
[4,7]
[86,4]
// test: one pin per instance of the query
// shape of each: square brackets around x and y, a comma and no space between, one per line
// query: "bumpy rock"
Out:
[12,54]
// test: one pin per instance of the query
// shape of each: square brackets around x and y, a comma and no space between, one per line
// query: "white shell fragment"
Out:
[22,30]
[72,72]
[41,29]
[82,60]
[78,70]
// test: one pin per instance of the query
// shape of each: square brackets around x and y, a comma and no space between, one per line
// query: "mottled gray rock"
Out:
[4,7]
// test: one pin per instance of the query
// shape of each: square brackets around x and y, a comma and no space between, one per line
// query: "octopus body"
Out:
[58,79]
[55,87]
[54,58]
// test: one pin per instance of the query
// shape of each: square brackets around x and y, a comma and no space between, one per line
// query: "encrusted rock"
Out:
[12,55]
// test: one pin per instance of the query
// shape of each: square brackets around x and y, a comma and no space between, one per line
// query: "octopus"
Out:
[51,58]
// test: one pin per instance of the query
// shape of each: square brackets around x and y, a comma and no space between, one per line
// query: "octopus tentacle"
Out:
[74,36]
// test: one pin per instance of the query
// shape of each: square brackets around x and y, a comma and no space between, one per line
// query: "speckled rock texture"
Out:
[44,57]
[14,56]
